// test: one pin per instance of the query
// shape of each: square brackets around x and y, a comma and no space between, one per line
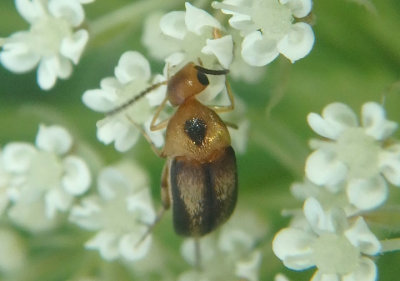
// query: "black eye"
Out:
[202,78]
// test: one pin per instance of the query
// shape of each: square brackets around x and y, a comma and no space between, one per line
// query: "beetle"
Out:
[199,180]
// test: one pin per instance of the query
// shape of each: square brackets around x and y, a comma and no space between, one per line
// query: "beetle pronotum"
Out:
[199,178]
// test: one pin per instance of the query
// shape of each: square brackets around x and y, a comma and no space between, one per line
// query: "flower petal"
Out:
[157,137]
[375,123]
[53,139]
[29,10]
[117,131]
[173,24]
[73,46]
[336,117]
[76,179]
[132,66]
[367,193]
[242,23]
[361,237]
[298,42]
[157,44]
[248,269]
[17,156]
[57,200]
[366,271]
[316,216]
[107,243]
[318,276]
[196,19]
[322,168]
[71,11]
[258,50]
[300,8]
[158,94]
[293,247]
[87,214]
[99,99]
[222,48]
[16,55]
[389,163]
[47,73]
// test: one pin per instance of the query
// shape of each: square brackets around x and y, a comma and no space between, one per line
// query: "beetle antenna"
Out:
[136,98]
[212,71]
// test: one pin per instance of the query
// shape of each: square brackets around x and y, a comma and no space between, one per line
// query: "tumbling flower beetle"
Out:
[199,179]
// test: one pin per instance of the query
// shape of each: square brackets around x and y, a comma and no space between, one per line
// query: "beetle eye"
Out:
[202,78]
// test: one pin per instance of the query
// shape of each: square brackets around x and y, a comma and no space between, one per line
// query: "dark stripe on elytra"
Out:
[181,217]
[224,209]
[183,222]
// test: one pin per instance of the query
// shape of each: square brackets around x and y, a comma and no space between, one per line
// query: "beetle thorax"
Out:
[196,132]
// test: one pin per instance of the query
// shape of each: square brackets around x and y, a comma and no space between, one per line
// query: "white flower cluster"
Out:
[53,42]
[121,213]
[346,177]
[132,75]
[41,180]
[270,27]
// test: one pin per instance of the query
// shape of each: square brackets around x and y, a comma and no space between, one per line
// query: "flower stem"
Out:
[128,14]
[390,245]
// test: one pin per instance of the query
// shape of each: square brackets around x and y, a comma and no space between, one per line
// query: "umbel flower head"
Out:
[43,179]
[53,41]
[357,155]
[270,27]
[191,38]
[340,249]
[132,75]
[120,214]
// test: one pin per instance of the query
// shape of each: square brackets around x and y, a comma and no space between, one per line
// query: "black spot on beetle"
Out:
[196,130]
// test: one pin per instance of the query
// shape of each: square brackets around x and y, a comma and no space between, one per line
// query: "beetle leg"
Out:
[165,186]
[162,124]
[165,197]
[225,108]
[151,226]
[157,151]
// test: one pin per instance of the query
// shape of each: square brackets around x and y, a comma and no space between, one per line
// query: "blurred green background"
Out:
[355,59]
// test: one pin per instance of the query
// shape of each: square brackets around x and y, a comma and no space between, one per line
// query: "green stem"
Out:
[390,245]
[128,14]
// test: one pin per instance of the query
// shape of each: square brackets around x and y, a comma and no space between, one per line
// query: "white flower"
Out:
[230,256]
[329,197]
[121,213]
[52,43]
[357,155]
[132,76]
[191,35]
[269,27]
[241,70]
[181,37]
[45,175]
[337,248]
